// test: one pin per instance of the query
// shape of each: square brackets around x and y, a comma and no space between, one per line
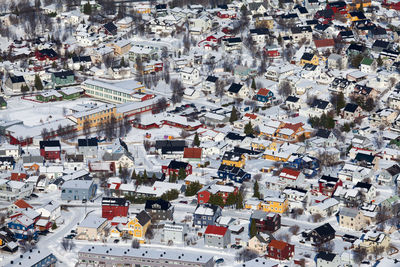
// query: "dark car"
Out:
[116,240]
[34,196]
[183,202]
[84,200]
[69,237]
[219,261]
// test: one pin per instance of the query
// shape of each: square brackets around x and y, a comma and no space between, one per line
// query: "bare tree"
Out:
[86,129]
[135,244]
[246,255]
[285,89]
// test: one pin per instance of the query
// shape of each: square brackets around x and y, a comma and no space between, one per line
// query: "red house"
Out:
[337,7]
[280,250]
[18,176]
[327,185]
[50,149]
[266,221]
[227,14]
[203,196]
[114,207]
[174,167]
[46,54]
[391,4]
[273,51]
[102,167]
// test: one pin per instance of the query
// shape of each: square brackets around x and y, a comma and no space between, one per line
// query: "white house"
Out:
[175,232]
[190,75]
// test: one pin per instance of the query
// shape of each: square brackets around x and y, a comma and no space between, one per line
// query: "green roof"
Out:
[367,61]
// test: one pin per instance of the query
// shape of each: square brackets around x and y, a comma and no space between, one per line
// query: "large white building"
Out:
[112,93]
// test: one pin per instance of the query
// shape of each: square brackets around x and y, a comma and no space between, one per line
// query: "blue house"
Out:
[206,214]
[233,173]
[309,165]
[23,228]
[264,95]
[34,257]
[78,190]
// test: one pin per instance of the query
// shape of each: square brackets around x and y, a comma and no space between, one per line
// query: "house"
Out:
[204,194]
[15,83]
[47,54]
[351,218]
[189,75]
[13,190]
[23,227]
[120,160]
[50,149]
[327,185]
[63,78]
[174,167]
[19,204]
[368,65]
[280,250]
[170,148]
[237,90]
[322,234]
[259,35]
[351,111]
[264,95]
[291,177]
[113,207]
[34,257]
[277,205]
[328,259]
[78,190]
[88,147]
[193,154]
[50,211]
[308,58]
[301,32]
[266,222]
[175,232]
[260,242]
[367,190]
[389,175]
[137,227]
[91,228]
[206,214]
[110,28]
[325,208]
[217,236]
[210,84]
[372,240]
[258,8]
[233,173]
[232,43]
[159,209]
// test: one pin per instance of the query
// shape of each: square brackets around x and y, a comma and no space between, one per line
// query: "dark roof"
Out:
[293,99]
[170,143]
[320,104]
[49,143]
[240,150]
[228,155]
[356,47]
[363,185]
[110,27]
[88,142]
[307,56]
[9,159]
[326,256]
[17,79]
[63,74]
[302,10]
[350,107]
[164,205]
[81,59]
[380,44]
[364,157]
[357,14]
[326,13]
[325,230]
[143,217]
[378,31]
[176,165]
[260,31]
[321,27]
[301,29]
[346,34]
[338,4]
[323,133]
[161,6]
[235,136]
[49,52]
[233,40]
[328,179]
[393,170]
[289,16]
[114,201]
[212,79]
[235,87]
[312,22]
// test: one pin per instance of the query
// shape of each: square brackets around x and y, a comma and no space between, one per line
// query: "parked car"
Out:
[84,200]
[183,202]
[116,241]
[219,261]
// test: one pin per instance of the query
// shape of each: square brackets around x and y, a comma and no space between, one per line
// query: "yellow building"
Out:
[253,204]
[233,159]
[356,4]
[309,58]
[95,116]
[142,8]
[120,47]
[374,240]
[276,155]
[356,16]
[137,227]
[278,205]
[260,145]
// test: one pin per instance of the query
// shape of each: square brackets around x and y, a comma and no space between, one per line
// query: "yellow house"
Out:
[260,145]
[373,240]
[356,4]
[95,116]
[278,205]
[121,47]
[309,58]
[292,131]
[233,159]
[142,8]
[137,227]
[253,204]
[355,16]
[276,155]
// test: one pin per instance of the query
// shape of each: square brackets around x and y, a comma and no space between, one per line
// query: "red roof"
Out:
[192,152]
[215,230]
[278,244]
[295,127]
[22,204]
[263,92]
[324,43]
[287,171]
[15,176]
[251,116]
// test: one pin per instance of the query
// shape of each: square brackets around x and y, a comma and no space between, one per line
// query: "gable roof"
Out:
[350,107]
[22,204]
[88,142]
[235,88]
[326,256]
[278,244]
[323,133]
[325,230]
[324,43]
[143,218]
[192,152]
[164,205]
[263,92]
[216,230]
[49,143]
[176,165]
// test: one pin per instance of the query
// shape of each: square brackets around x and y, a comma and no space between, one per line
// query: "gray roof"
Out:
[348,212]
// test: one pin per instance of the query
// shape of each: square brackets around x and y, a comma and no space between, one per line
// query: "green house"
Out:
[50,95]
[3,103]
[63,78]
[71,93]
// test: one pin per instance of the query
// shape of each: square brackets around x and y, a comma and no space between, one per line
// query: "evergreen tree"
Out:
[253,228]
[234,115]
[231,199]
[87,8]
[172,178]
[216,199]
[239,201]
[133,175]
[38,83]
[120,169]
[196,140]
[192,189]
[256,190]
[122,62]
[54,226]
[248,129]
[144,176]
[253,84]
[181,174]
